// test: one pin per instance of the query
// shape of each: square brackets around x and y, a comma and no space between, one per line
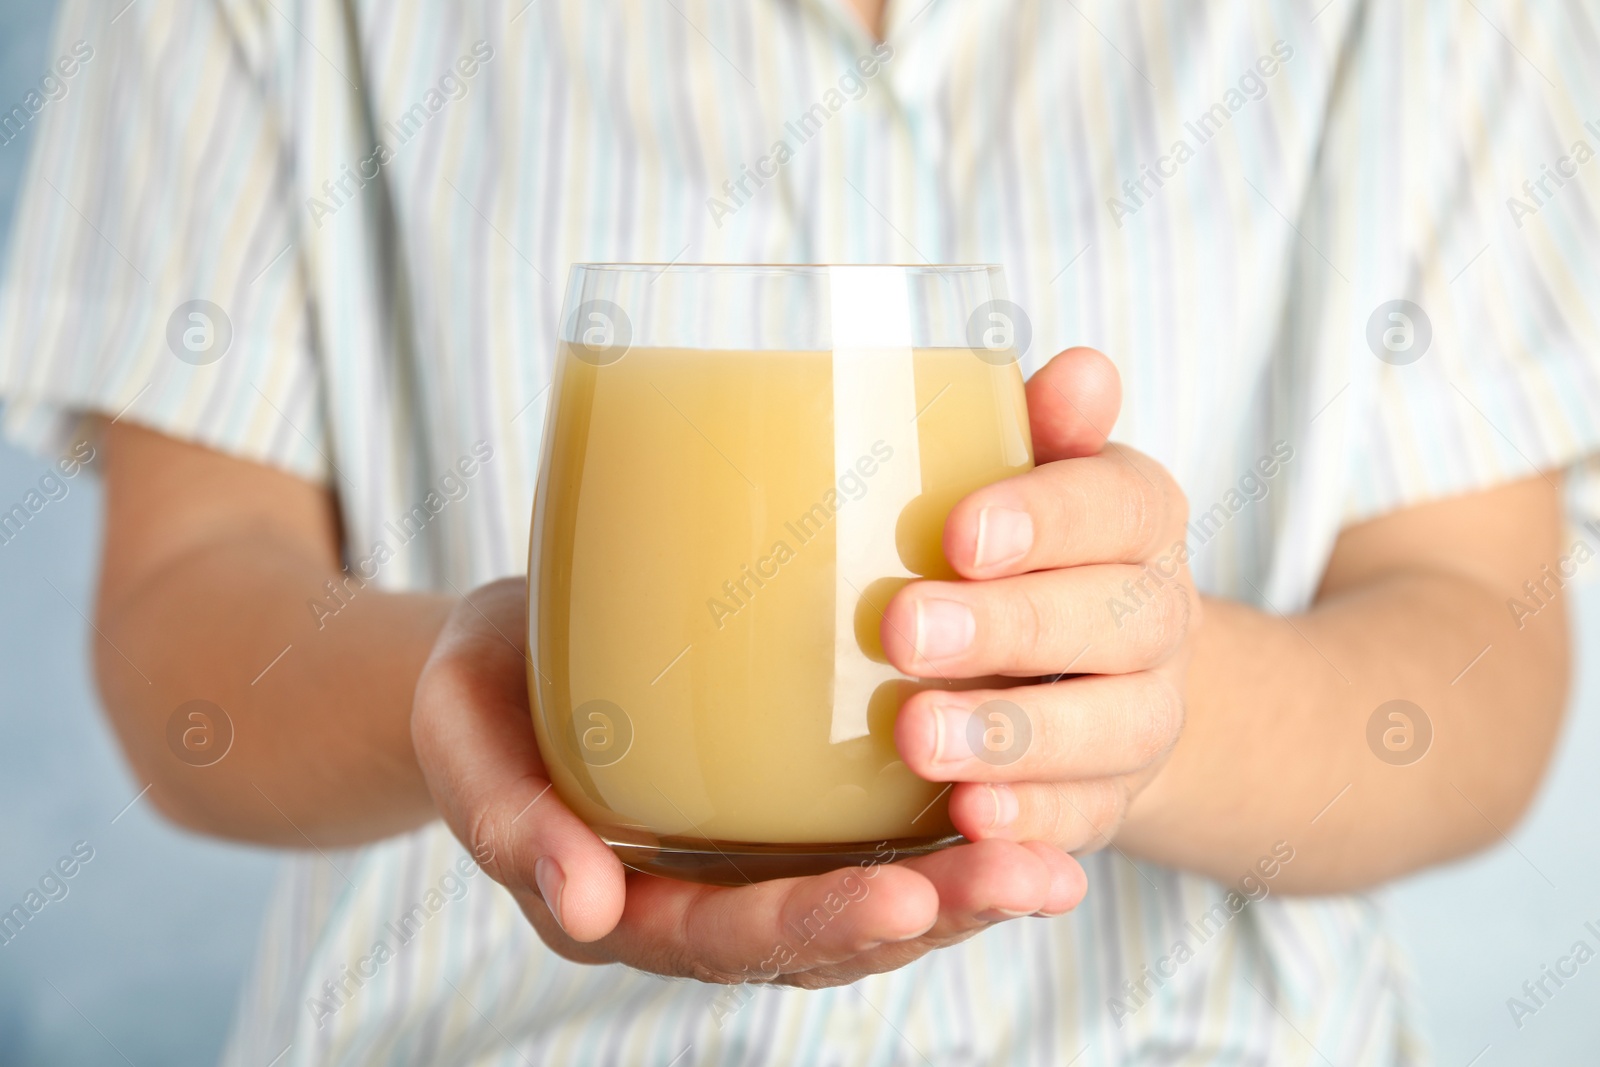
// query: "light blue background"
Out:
[144,958]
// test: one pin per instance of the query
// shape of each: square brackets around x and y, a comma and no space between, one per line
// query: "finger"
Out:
[1068,882]
[474,738]
[1073,402]
[1095,726]
[979,884]
[1106,620]
[1078,817]
[762,931]
[987,881]
[983,883]
[1117,507]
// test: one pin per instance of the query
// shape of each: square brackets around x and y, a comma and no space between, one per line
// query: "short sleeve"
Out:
[1452,248]
[154,273]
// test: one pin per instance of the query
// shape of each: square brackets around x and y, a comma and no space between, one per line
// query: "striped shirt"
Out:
[1351,244]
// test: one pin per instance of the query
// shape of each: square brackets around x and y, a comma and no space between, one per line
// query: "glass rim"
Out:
[785,268]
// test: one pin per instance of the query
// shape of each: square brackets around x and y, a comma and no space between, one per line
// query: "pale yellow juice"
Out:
[714,536]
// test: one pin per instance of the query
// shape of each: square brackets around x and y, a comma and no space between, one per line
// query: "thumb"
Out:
[475,742]
[1073,402]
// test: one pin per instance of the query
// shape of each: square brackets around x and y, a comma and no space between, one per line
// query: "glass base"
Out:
[735,863]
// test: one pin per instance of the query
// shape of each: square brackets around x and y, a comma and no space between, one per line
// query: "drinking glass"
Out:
[741,466]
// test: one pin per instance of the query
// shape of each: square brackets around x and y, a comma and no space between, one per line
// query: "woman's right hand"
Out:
[474,739]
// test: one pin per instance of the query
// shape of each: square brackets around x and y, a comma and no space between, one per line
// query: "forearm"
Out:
[322,746]
[1275,747]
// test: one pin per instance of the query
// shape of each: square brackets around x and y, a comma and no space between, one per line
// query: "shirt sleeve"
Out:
[155,273]
[1452,216]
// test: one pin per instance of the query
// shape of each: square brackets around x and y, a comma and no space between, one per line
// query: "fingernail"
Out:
[950,734]
[547,873]
[994,915]
[870,945]
[1005,805]
[1058,886]
[944,628]
[1004,536]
